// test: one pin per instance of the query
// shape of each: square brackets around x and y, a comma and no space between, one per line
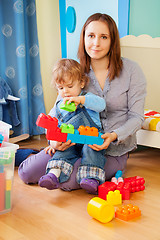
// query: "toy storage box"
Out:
[7,160]
[4,130]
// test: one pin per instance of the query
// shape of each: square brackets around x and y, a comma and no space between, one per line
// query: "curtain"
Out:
[20,64]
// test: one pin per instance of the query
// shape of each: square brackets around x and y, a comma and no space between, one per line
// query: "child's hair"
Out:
[66,69]
[115,62]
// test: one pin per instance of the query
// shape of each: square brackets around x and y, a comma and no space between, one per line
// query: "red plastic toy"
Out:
[136,183]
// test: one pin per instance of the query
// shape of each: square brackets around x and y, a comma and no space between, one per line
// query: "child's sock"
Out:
[55,171]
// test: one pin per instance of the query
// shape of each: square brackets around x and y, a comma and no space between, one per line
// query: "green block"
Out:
[71,107]
[8,200]
[67,128]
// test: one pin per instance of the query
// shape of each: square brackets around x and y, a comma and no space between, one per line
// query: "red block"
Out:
[136,183]
[56,135]
[124,189]
[104,188]
[46,121]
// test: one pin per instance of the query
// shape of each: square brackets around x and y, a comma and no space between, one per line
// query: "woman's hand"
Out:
[108,138]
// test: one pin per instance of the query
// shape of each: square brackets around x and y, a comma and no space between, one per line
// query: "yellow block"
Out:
[8,185]
[114,198]
[100,209]
[153,124]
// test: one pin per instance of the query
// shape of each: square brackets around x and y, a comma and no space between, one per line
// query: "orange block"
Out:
[127,212]
[89,131]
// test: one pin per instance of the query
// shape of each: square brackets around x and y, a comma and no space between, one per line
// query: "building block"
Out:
[8,184]
[46,121]
[114,198]
[118,174]
[89,131]
[7,199]
[67,128]
[127,212]
[100,209]
[76,138]
[71,107]
[136,183]
[117,180]
[56,135]
[2,191]
[94,140]
[1,139]
[104,188]
[124,189]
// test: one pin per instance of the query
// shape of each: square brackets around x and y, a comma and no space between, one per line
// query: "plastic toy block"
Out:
[124,189]
[137,183]
[8,184]
[7,199]
[46,121]
[76,138]
[71,107]
[94,140]
[89,131]
[118,174]
[1,168]
[100,210]
[104,188]
[127,212]
[116,181]
[67,128]
[114,198]
[56,135]
[1,138]
[2,191]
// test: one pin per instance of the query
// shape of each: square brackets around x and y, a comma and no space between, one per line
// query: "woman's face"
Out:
[97,40]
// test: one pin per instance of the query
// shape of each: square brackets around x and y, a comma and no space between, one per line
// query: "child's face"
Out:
[69,88]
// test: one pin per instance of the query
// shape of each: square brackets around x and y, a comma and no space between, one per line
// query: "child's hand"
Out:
[49,150]
[77,100]
[61,146]
[108,138]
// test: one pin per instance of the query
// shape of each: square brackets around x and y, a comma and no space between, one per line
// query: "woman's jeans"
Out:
[34,167]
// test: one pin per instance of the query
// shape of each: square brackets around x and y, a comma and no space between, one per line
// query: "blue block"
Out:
[84,139]
[118,174]
[94,140]
[1,169]
[76,138]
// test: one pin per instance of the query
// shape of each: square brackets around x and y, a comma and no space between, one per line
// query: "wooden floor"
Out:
[40,214]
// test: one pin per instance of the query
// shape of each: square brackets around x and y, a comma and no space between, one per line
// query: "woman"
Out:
[120,82]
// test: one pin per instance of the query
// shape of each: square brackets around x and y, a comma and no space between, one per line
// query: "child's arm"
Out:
[94,102]
[77,100]
[90,101]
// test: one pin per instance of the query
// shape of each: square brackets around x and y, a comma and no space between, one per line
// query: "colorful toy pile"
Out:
[7,159]
[152,120]
[111,194]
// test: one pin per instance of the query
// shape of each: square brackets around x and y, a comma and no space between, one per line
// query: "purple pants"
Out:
[34,167]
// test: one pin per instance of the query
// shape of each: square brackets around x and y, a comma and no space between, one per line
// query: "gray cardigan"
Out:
[124,113]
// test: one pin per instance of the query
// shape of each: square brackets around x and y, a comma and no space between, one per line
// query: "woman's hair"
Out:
[66,69]
[115,62]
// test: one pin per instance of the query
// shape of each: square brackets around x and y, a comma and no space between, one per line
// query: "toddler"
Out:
[70,82]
